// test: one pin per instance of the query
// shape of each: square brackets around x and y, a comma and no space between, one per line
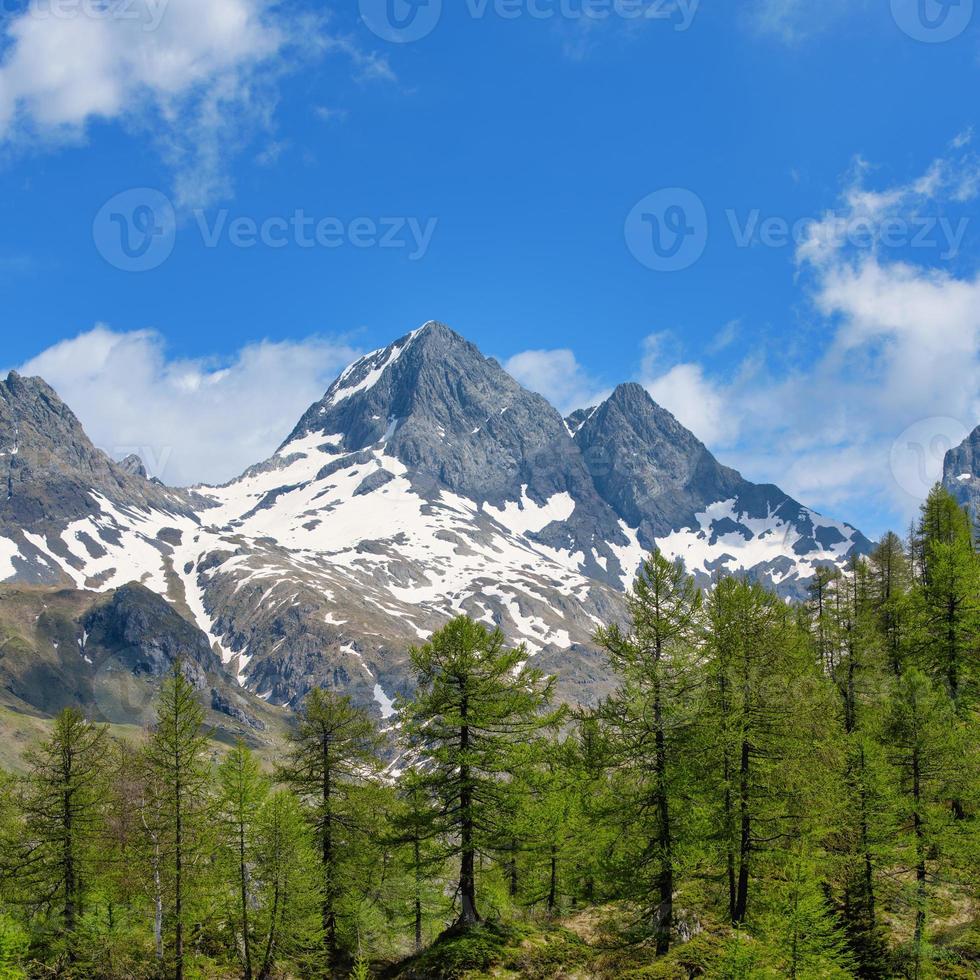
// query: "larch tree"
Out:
[651,720]
[242,790]
[179,804]
[62,801]
[332,752]
[478,713]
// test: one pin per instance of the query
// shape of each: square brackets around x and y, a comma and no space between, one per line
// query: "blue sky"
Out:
[504,173]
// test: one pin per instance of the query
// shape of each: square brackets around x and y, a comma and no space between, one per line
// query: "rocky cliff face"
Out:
[961,472]
[107,654]
[55,478]
[425,483]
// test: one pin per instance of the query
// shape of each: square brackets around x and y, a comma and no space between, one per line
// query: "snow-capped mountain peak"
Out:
[426,482]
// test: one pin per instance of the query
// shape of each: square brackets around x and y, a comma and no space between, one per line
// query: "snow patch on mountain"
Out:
[731,541]
[8,551]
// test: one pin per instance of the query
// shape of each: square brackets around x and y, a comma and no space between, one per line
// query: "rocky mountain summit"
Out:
[426,482]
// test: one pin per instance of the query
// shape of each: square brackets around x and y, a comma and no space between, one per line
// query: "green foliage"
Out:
[331,755]
[14,944]
[53,851]
[479,715]
[546,954]
[177,815]
[458,952]
[651,722]
[772,791]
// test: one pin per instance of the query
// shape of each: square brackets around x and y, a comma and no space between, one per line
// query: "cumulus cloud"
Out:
[867,419]
[198,76]
[191,420]
[558,376]
[693,400]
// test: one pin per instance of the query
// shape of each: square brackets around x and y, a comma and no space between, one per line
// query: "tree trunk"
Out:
[664,916]
[553,884]
[179,888]
[728,804]
[417,855]
[467,864]
[869,882]
[243,877]
[266,971]
[745,840]
[920,865]
[68,855]
[329,912]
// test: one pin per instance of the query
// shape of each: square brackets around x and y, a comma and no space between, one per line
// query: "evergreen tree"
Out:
[61,804]
[477,716]
[651,719]
[286,879]
[241,793]
[420,857]
[921,735]
[950,591]
[891,580]
[178,805]
[330,755]
[763,691]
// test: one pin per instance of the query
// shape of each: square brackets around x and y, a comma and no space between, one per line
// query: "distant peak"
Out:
[436,329]
[630,391]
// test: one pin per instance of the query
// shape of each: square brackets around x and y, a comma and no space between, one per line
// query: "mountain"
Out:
[663,482]
[961,472]
[106,653]
[426,482]
[57,481]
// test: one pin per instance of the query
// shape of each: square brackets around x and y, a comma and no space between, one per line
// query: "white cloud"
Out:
[558,376]
[725,337]
[898,352]
[693,400]
[198,76]
[192,420]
